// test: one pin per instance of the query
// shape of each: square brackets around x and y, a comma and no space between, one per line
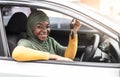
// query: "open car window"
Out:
[88,37]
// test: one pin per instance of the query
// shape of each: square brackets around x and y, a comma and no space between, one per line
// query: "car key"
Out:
[72,28]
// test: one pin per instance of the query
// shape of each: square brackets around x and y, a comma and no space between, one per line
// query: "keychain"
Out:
[72,28]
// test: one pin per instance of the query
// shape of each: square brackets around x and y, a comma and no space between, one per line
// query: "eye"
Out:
[48,26]
[38,26]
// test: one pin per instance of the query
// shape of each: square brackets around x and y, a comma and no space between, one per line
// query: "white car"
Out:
[98,53]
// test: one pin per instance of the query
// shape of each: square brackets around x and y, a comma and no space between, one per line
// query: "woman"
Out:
[39,45]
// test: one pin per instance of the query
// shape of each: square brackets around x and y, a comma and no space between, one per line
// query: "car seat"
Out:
[16,29]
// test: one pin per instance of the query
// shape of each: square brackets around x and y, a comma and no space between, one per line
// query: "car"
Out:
[98,53]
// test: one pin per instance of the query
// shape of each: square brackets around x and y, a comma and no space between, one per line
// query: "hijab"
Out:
[33,19]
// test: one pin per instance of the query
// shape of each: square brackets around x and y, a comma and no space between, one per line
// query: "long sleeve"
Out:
[71,50]
[21,53]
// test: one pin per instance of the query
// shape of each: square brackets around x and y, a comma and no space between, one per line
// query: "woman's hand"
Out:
[76,24]
[57,57]
[64,59]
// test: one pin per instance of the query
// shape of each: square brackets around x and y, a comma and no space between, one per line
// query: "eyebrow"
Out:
[42,24]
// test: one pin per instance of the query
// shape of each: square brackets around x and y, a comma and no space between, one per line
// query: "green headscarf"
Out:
[33,19]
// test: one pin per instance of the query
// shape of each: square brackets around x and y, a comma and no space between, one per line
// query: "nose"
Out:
[44,30]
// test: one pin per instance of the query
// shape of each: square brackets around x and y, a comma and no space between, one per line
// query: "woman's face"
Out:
[41,30]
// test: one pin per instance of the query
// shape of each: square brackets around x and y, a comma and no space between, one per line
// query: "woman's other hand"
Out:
[57,57]
[76,24]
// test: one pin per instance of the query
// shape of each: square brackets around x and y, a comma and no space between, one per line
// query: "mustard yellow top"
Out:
[23,53]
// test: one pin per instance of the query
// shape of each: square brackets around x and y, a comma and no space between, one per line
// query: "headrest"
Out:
[17,23]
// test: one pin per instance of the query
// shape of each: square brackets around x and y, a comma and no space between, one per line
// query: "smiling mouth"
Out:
[43,35]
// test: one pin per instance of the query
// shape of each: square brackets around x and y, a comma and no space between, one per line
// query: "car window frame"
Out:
[3,37]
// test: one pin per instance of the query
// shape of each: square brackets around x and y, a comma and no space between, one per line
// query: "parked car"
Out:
[98,53]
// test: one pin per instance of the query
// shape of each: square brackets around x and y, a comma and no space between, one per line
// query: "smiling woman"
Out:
[39,40]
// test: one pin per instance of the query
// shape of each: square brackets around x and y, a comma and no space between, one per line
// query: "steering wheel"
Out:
[90,50]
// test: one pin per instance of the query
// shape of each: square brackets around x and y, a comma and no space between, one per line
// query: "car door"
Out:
[52,68]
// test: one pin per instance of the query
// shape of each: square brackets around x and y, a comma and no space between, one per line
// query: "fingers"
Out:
[65,59]
[75,22]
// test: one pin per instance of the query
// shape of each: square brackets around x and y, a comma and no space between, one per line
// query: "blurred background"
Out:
[111,8]
[108,7]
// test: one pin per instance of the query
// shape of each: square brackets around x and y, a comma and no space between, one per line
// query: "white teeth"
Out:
[43,35]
